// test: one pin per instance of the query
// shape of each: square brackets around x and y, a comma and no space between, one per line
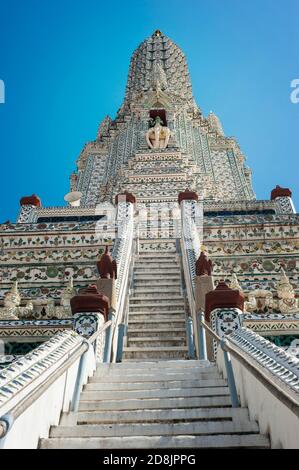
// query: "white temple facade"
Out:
[162,267]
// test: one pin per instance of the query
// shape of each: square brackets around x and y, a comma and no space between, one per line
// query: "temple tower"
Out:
[162,241]
[191,150]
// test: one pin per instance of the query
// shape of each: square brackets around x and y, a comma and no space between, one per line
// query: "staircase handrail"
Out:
[253,351]
[46,360]
[237,344]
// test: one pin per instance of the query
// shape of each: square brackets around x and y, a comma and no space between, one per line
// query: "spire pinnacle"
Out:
[157,33]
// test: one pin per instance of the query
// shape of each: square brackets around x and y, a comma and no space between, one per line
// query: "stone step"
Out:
[230,441]
[100,395]
[153,403]
[166,271]
[157,310]
[153,323]
[161,263]
[157,299]
[126,377]
[153,265]
[140,356]
[196,366]
[155,429]
[156,254]
[156,291]
[164,285]
[159,353]
[162,415]
[162,354]
[154,307]
[156,296]
[155,315]
[157,283]
[156,341]
[157,277]
[163,384]
[153,332]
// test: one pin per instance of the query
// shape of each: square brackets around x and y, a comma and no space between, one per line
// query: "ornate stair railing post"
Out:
[230,375]
[190,337]
[202,341]
[122,333]
[108,339]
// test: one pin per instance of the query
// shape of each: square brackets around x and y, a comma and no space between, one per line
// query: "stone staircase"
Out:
[156,405]
[155,398]
[157,328]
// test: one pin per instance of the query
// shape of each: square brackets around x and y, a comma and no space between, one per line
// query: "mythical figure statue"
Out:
[287,302]
[158,136]
[12,309]
[64,309]
[234,283]
[259,301]
[67,294]
[203,265]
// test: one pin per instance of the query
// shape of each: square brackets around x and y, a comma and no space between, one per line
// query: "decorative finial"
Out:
[157,33]
[107,267]
[203,266]
[234,283]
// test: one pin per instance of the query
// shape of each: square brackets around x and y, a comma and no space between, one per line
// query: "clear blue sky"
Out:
[65,62]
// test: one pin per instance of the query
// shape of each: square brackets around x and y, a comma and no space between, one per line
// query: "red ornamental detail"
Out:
[90,300]
[203,265]
[128,197]
[223,297]
[280,192]
[107,267]
[188,195]
[31,201]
